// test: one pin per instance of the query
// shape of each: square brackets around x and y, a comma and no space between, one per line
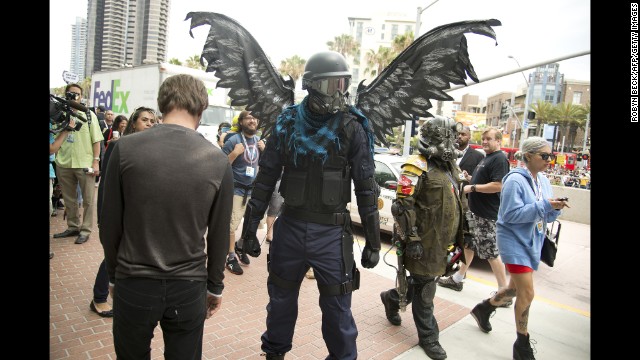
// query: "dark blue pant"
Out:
[101,284]
[140,303]
[296,246]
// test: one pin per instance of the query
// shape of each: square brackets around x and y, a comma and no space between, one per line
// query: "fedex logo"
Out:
[111,99]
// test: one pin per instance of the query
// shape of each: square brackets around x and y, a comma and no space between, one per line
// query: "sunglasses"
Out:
[546,156]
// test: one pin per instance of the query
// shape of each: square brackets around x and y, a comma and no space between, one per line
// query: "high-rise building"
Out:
[126,33]
[372,34]
[78,47]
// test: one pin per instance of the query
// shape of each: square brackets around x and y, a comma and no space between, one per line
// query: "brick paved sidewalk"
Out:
[233,332]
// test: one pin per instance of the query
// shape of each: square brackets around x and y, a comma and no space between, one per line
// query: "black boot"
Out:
[272,356]
[522,349]
[391,307]
[482,312]
[434,350]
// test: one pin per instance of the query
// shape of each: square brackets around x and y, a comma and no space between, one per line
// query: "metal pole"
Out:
[408,123]
[524,77]
[526,67]
[586,132]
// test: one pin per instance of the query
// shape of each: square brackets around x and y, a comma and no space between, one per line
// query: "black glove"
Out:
[370,257]
[414,250]
[250,244]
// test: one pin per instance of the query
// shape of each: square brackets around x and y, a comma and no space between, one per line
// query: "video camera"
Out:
[60,112]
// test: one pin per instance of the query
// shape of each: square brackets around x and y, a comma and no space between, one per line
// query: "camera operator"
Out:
[54,146]
[77,163]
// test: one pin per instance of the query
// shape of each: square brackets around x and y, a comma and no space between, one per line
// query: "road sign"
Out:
[525,123]
[70,77]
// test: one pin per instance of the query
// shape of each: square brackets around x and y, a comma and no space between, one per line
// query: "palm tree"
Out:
[347,46]
[194,62]
[573,116]
[175,61]
[544,114]
[293,66]
[377,61]
[403,41]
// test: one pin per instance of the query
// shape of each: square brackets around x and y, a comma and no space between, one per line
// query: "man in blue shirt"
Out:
[243,150]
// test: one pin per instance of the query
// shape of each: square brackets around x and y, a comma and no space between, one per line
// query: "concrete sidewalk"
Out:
[560,315]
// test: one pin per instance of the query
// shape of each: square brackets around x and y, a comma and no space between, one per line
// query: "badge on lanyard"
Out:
[249,171]
[539,225]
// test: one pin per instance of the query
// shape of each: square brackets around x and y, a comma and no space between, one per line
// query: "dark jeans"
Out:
[101,284]
[140,303]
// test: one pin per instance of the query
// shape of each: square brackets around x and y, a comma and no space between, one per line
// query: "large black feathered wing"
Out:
[420,73]
[239,62]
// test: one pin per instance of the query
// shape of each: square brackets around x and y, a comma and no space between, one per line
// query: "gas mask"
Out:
[438,138]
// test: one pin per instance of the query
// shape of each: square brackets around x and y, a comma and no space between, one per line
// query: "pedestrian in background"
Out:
[484,201]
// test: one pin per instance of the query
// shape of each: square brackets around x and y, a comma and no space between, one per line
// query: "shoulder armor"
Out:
[415,165]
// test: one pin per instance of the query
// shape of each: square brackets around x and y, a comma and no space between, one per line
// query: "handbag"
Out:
[550,243]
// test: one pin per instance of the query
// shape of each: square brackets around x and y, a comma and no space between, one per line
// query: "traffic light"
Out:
[585,156]
[415,126]
[504,111]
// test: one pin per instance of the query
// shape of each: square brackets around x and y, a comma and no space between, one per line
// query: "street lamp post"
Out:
[525,116]
[408,122]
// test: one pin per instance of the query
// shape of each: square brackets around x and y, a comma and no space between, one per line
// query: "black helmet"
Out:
[327,78]
[326,64]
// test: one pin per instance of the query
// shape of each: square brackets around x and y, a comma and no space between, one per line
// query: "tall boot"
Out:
[482,312]
[390,301]
[522,349]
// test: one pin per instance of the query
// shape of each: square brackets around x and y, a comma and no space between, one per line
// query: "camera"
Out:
[60,112]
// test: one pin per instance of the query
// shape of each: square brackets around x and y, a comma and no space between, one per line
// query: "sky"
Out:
[532,31]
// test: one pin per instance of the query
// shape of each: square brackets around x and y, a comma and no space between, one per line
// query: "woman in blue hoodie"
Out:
[526,206]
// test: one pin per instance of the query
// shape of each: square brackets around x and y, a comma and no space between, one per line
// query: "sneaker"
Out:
[450,283]
[505,305]
[234,267]
[244,259]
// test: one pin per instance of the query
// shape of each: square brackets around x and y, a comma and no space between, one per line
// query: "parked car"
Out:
[387,173]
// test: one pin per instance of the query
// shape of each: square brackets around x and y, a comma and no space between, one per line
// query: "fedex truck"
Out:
[124,90]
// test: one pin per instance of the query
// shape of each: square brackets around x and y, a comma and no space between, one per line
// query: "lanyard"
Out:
[538,187]
[251,152]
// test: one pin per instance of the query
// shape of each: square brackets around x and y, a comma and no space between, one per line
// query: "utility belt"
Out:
[347,253]
[246,188]
[319,218]
[325,290]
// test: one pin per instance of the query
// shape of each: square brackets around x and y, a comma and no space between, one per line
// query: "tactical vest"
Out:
[312,186]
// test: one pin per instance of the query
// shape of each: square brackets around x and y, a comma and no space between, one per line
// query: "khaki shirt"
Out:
[77,150]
